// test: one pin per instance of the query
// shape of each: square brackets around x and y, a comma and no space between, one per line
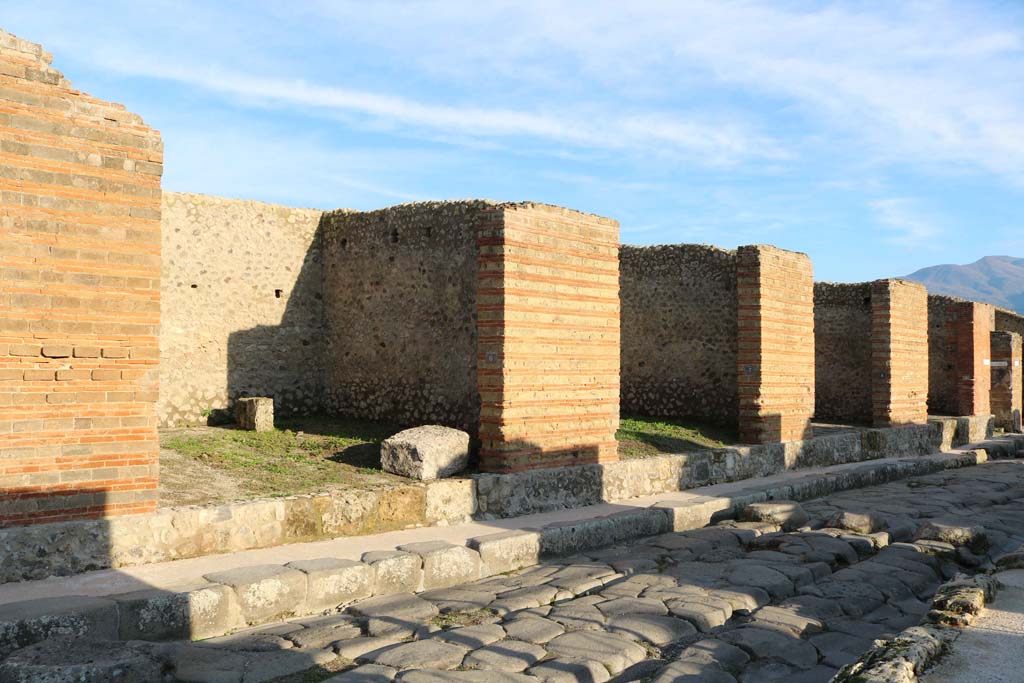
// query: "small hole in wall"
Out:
[195,286]
[278,293]
[867,301]
[344,242]
[430,231]
[642,363]
[394,237]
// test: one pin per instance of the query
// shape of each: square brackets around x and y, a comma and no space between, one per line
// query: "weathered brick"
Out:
[57,351]
[103,375]
[25,349]
[39,375]
[87,352]
[115,352]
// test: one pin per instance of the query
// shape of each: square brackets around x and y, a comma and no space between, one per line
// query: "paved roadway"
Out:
[739,602]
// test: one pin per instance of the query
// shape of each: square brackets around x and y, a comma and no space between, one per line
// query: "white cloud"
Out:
[904,223]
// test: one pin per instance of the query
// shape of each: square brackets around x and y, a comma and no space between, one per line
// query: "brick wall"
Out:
[79,297]
[679,331]
[959,354]
[548,345]
[1006,380]
[776,344]
[899,353]
[843,352]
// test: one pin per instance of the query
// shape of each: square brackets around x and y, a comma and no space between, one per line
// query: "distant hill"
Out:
[996,280]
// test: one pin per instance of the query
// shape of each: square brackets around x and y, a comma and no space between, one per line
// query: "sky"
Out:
[878,137]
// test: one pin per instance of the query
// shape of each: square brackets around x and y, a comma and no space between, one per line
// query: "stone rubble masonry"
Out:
[959,356]
[1006,380]
[79,297]
[548,337]
[775,331]
[240,307]
[871,353]
[679,314]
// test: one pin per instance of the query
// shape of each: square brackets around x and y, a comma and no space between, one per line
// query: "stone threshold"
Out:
[211,596]
[65,548]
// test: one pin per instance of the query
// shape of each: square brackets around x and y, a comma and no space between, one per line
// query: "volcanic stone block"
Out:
[25,623]
[428,452]
[331,582]
[507,551]
[395,571]
[445,564]
[202,610]
[265,592]
[255,413]
[66,660]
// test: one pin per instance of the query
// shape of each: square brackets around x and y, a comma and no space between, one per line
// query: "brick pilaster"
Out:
[79,297]
[548,337]
[899,353]
[1006,380]
[776,344]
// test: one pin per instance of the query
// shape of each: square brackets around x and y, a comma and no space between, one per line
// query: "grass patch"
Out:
[301,456]
[645,436]
[460,619]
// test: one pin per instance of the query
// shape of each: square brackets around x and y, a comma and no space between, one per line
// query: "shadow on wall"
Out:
[283,361]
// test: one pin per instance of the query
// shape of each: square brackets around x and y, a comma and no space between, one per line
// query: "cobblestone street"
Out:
[792,596]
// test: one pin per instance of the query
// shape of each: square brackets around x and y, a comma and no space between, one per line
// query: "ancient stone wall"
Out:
[548,337]
[1006,380]
[241,307]
[959,353]
[842,352]
[79,297]
[679,312]
[775,331]
[899,353]
[399,301]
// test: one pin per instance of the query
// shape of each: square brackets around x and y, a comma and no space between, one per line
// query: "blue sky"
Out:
[879,137]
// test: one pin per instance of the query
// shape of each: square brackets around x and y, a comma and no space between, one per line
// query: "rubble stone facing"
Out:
[959,356]
[240,307]
[679,313]
[871,359]
[79,298]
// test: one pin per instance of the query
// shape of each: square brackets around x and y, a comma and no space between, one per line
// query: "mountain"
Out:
[996,280]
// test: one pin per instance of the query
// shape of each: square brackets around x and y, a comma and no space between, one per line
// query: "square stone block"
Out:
[197,611]
[265,591]
[507,551]
[445,564]
[332,582]
[255,413]
[395,571]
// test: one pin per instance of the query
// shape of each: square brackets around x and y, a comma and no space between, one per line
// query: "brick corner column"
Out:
[1006,392]
[547,337]
[775,331]
[972,326]
[79,298]
[899,353]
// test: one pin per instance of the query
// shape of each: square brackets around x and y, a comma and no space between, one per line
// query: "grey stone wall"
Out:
[942,384]
[679,316]
[400,313]
[842,352]
[240,306]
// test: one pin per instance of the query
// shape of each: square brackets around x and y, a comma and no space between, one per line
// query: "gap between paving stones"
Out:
[249,596]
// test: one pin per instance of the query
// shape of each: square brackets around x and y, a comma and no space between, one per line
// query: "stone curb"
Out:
[225,601]
[905,657]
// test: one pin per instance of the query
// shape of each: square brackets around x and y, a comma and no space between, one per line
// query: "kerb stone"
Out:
[202,610]
[395,572]
[26,623]
[445,564]
[507,551]
[331,582]
[265,592]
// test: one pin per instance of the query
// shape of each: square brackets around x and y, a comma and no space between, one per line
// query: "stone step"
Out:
[208,604]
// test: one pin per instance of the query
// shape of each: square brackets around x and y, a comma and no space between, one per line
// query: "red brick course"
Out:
[79,297]
[959,350]
[1006,396]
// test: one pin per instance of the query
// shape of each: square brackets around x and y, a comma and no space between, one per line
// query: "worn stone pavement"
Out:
[791,597]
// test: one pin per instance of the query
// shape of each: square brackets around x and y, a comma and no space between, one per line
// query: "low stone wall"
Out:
[66,548]
[512,495]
